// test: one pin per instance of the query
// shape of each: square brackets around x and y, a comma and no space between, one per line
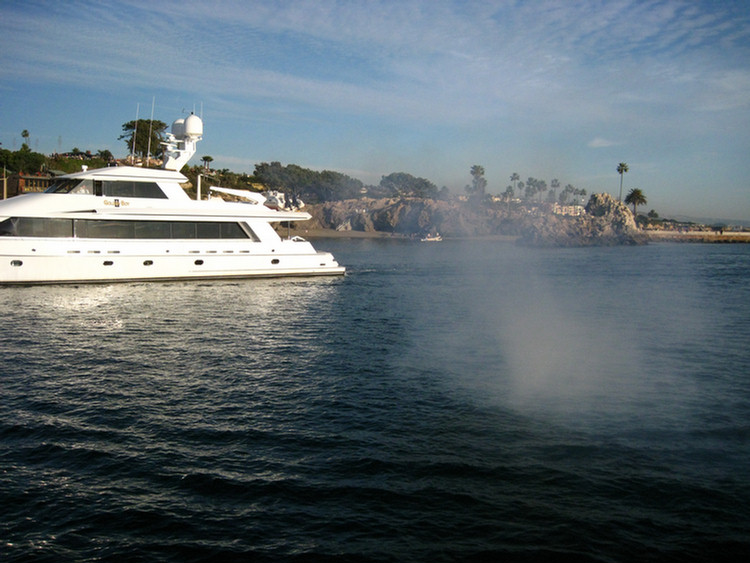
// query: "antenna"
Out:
[150,125]
[135,132]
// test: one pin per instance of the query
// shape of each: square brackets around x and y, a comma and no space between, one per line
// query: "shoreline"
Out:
[698,236]
[653,236]
[331,233]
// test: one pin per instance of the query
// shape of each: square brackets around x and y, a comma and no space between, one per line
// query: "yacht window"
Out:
[126,188]
[68,186]
[101,228]
[36,227]
[209,230]
[104,229]
[183,229]
[232,230]
[152,229]
[8,228]
[86,187]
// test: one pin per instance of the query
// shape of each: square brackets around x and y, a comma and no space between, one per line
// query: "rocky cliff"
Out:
[407,216]
[607,222]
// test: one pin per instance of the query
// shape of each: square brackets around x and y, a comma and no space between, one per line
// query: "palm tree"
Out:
[478,183]
[621,169]
[541,187]
[635,197]
[509,193]
[514,178]
[531,189]
[25,134]
[553,186]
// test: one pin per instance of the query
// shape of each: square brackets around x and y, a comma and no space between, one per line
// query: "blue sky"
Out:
[561,89]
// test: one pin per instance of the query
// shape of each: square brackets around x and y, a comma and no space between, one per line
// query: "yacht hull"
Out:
[42,261]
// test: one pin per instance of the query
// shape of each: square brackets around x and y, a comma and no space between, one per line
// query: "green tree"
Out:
[621,169]
[635,197]
[207,160]
[311,186]
[404,184]
[141,130]
[25,134]
[24,160]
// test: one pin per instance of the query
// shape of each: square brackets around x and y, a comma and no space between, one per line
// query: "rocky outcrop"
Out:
[409,216]
[607,222]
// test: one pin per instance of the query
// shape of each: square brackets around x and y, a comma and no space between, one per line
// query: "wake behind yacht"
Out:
[128,223]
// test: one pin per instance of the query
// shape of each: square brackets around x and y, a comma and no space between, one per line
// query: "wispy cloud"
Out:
[601,143]
[450,60]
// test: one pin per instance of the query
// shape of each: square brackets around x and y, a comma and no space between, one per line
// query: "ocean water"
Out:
[454,401]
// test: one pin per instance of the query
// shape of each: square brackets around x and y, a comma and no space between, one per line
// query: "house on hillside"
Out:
[571,210]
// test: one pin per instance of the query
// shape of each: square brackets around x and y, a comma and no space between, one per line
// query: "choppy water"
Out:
[461,401]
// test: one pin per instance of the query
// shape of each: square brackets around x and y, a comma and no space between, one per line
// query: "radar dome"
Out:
[193,126]
[178,128]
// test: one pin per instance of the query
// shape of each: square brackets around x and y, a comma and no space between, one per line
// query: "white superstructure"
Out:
[128,223]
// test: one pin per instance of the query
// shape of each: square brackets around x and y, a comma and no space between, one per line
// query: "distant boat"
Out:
[432,238]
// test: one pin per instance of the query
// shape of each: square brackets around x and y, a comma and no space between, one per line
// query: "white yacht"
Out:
[128,223]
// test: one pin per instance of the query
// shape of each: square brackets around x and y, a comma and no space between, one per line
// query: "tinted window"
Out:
[126,188]
[89,228]
[36,227]
[152,229]
[8,228]
[104,229]
[209,230]
[92,228]
[64,186]
[183,230]
[232,230]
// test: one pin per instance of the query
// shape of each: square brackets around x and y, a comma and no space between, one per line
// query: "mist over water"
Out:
[567,333]
[442,402]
